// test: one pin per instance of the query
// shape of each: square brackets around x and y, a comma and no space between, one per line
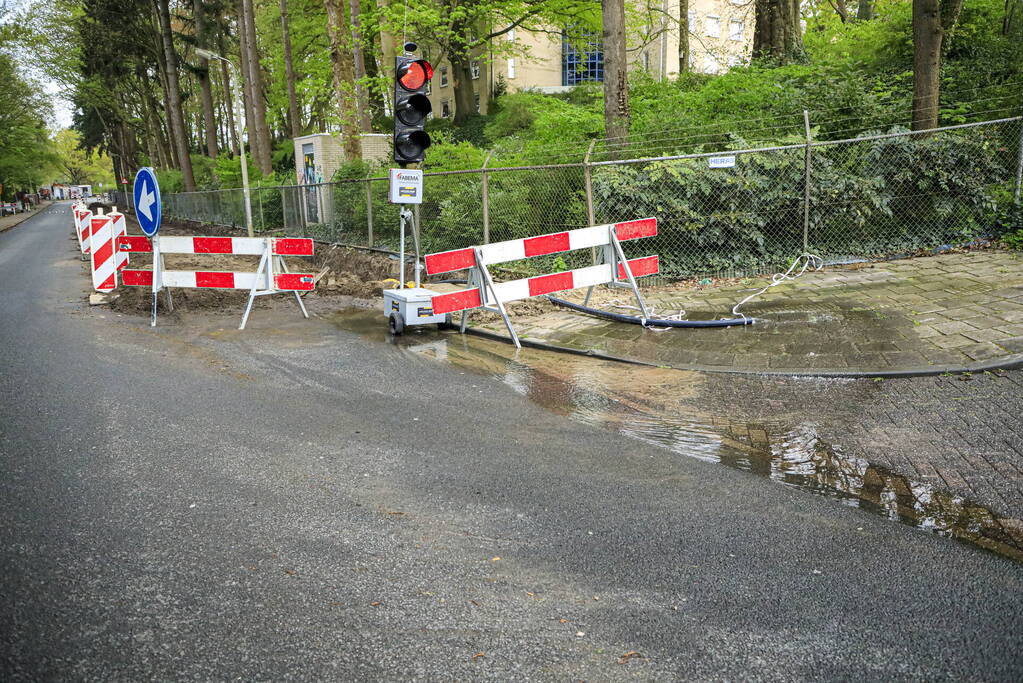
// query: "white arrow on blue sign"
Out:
[147,201]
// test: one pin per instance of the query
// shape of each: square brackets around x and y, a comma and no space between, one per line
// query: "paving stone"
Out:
[953,327]
[950,341]
[982,351]
[986,335]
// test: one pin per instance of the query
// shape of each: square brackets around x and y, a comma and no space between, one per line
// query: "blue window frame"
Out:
[581,66]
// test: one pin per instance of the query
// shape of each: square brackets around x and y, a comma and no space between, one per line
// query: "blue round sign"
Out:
[147,201]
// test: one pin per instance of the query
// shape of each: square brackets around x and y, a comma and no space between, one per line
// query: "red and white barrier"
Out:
[83,226]
[102,253]
[483,291]
[271,277]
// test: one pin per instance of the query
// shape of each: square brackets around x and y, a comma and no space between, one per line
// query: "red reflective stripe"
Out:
[214,279]
[103,253]
[630,230]
[446,261]
[134,243]
[648,265]
[546,244]
[302,282]
[545,284]
[212,245]
[293,246]
[137,278]
[107,285]
[456,301]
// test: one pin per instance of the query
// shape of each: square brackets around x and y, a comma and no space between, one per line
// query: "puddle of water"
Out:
[658,406]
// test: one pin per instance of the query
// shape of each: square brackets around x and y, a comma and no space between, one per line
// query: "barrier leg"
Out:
[284,269]
[628,273]
[489,282]
[255,288]
[465,318]
[589,293]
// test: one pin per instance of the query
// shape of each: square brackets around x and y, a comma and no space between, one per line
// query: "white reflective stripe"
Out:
[186,278]
[502,252]
[246,246]
[120,228]
[512,291]
[596,236]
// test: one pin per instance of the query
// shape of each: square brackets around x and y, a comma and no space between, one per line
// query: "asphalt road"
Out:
[303,503]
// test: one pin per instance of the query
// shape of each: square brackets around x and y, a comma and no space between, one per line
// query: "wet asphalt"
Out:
[275,507]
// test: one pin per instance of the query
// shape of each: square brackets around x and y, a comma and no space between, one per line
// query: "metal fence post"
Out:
[486,199]
[1019,164]
[806,184]
[590,219]
[262,218]
[369,213]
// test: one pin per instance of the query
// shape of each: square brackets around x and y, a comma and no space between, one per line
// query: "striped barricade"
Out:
[271,277]
[83,225]
[482,291]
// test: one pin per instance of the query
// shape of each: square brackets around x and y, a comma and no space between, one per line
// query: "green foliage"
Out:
[170,180]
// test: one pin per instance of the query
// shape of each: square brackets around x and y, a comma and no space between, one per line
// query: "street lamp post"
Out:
[206,54]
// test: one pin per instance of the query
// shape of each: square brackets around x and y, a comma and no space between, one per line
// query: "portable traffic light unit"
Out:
[411,107]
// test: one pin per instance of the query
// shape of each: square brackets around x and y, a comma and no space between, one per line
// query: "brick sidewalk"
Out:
[948,312]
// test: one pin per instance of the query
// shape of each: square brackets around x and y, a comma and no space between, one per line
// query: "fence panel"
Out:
[870,197]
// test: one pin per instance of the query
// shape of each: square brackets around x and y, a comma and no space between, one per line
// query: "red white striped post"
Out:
[102,254]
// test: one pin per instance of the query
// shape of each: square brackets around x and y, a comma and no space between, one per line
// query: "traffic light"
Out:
[411,105]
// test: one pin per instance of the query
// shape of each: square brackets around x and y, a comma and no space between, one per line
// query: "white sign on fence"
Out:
[722,162]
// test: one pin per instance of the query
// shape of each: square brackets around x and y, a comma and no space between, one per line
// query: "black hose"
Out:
[651,322]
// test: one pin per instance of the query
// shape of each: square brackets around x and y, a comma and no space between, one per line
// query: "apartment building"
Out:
[720,36]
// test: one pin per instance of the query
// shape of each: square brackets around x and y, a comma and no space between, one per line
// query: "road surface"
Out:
[296,501]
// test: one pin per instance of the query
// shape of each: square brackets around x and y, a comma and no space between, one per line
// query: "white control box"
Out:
[415,305]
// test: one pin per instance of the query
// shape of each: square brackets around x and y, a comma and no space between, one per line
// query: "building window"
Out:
[646,60]
[511,67]
[579,66]
[445,108]
[734,60]
[710,64]
[692,22]
[443,76]
[477,102]
[428,90]
[713,27]
[736,28]
[474,69]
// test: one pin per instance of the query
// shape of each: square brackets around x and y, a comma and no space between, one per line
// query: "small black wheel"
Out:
[396,323]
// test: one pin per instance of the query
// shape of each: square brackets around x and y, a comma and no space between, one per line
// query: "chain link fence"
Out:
[732,213]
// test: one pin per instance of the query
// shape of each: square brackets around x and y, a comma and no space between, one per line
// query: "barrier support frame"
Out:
[265,272]
[615,255]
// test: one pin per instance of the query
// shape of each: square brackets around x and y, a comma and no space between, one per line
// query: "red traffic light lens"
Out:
[416,75]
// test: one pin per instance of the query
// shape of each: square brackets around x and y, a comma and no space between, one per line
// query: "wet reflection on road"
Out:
[661,407]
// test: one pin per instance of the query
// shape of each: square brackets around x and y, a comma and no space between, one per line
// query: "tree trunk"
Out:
[616,85]
[778,34]
[465,91]
[175,115]
[841,9]
[260,131]
[344,79]
[927,37]
[229,99]
[289,74]
[359,63]
[388,55]
[865,10]
[246,135]
[683,36]
[205,88]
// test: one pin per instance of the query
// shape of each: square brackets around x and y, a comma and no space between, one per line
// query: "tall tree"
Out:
[778,33]
[683,36]
[616,85]
[932,19]
[294,117]
[174,113]
[359,64]
[260,132]
[342,61]
[865,10]
[203,74]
